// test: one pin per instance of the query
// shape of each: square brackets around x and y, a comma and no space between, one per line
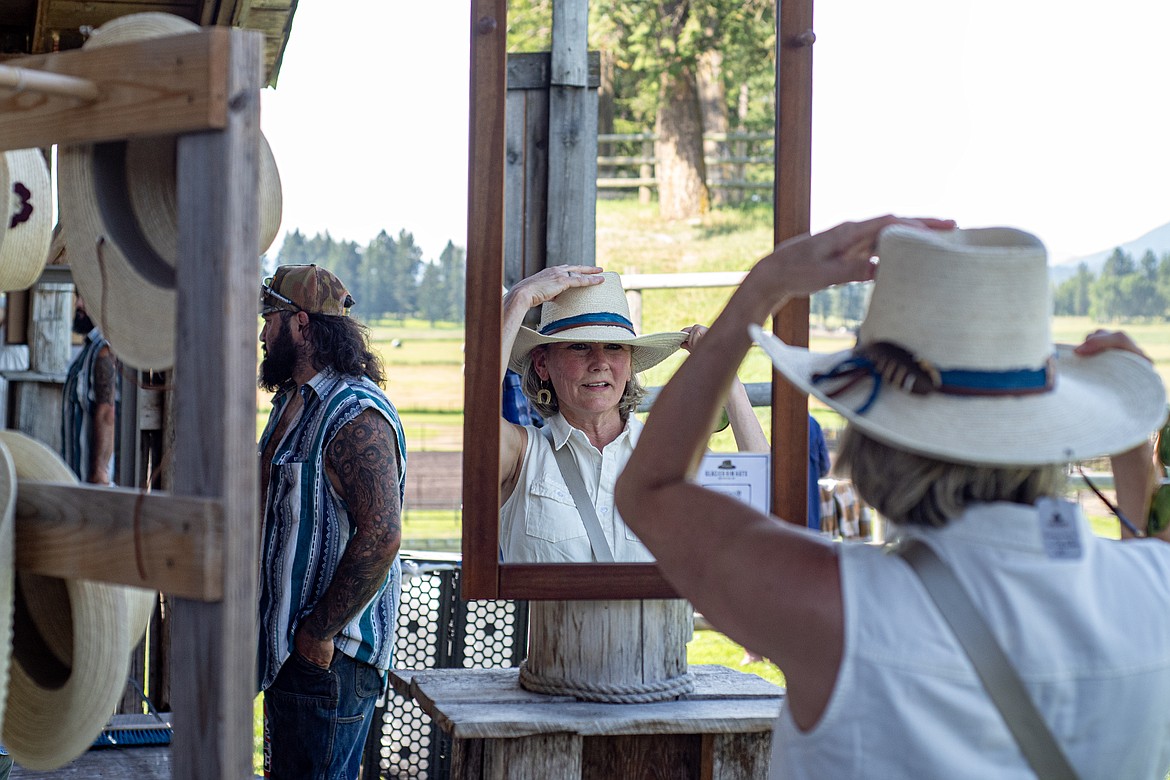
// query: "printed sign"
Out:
[745,475]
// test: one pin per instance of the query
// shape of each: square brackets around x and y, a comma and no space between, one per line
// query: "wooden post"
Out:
[634,301]
[646,171]
[48,338]
[218,267]
[37,397]
[572,141]
[620,645]
[793,177]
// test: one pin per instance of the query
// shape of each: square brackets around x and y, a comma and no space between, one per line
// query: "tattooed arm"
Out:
[362,463]
[105,374]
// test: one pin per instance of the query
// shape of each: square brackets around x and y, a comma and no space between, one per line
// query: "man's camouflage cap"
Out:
[307,288]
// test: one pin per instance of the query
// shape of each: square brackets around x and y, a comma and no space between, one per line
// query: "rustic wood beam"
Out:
[485,253]
[214,672]
[153,87]
[121,535]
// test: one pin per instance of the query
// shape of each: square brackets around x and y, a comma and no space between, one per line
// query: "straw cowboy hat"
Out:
[28,228]
[596,313]
[71,641]
[119,209]
[955,359]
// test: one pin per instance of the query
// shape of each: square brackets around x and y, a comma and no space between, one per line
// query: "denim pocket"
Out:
[367,681]
[303,678]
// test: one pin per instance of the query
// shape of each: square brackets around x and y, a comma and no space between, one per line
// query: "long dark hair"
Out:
[343,344]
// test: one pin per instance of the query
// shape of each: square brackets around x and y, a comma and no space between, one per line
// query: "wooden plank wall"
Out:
[550,161]
[572,148]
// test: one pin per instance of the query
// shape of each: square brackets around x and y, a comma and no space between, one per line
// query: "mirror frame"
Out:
[484,576]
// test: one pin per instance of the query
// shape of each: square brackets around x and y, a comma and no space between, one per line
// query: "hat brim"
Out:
[24,247]
[89,628]
[1099,405]
[646,351]
[120,215]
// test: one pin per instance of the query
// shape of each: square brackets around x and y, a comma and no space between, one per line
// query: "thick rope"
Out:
[644,693]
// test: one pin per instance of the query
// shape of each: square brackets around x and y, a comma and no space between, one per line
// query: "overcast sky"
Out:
[1045,115]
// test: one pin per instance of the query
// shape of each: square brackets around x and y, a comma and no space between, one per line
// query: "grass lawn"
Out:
[712,648]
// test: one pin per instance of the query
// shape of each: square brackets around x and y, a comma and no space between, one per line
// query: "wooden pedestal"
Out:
[723,731]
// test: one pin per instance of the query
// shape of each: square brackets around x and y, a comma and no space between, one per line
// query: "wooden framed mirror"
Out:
[484,575]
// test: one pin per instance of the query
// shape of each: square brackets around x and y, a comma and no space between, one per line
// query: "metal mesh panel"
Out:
[437,630]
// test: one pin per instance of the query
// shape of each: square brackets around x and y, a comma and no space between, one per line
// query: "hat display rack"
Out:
[204,88]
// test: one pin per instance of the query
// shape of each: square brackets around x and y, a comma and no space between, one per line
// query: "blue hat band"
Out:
[584,320]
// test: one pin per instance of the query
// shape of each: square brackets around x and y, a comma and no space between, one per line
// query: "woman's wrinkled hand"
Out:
[694,333]
[845,253]
[548,283]
[1101,340]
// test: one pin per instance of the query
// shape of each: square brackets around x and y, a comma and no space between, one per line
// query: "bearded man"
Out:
[332,476]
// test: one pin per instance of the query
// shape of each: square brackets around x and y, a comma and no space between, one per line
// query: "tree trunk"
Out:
[678,152]
[713,107]
[605,97]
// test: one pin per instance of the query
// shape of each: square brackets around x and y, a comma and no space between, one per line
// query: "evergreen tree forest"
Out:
[388,278]
[1125,290]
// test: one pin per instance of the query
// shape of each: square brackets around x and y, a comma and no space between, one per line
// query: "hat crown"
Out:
[603,303]
[963,299]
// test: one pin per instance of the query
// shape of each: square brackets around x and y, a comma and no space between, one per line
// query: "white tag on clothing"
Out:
[1058,528]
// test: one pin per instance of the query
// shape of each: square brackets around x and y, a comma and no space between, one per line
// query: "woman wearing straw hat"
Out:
[579,370]
[1049,653]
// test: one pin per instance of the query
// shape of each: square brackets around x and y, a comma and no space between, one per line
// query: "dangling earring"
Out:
[544,395]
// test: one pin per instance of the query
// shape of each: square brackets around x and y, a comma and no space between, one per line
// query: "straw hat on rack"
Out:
[28,228]
[120,212]
[71,641]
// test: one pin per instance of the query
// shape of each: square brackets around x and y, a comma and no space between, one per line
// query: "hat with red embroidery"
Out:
[28,224]
[308,288]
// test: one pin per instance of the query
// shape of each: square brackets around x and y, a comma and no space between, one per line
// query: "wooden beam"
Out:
[214,668]
[121,535]
[793,177]
[536,581]
[485,264]
[153,87]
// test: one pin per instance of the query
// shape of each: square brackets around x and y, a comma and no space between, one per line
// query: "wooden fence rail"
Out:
[741,161]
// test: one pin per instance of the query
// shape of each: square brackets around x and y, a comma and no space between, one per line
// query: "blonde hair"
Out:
[531,384]
[918,490]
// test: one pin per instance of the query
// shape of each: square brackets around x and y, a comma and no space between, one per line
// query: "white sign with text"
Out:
[744,475]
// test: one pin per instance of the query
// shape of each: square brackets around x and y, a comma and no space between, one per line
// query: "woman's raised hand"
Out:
[695,332]
[1101,340]
[548,283]
[809,263]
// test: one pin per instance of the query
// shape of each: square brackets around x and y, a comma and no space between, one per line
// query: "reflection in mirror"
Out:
[580,365]
[576,385]
[647,165]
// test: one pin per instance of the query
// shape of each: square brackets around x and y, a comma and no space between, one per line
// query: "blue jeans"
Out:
[317,719]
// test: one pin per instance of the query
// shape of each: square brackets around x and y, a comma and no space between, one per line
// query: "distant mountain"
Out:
[1157,240]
